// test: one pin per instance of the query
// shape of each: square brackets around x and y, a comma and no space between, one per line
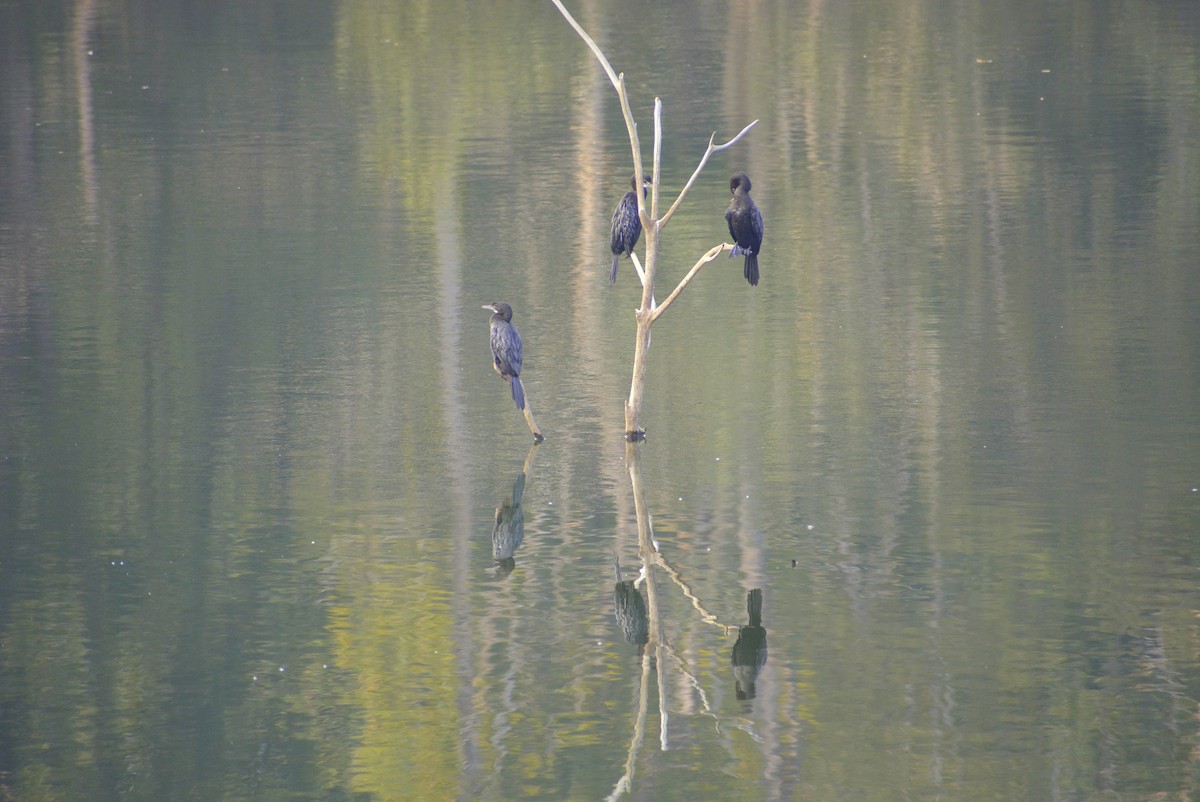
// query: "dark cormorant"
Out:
[506,349]
[745,225]
[626,226]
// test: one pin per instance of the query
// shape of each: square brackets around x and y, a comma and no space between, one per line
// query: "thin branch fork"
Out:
[648,311]
[700,167]
[713,253]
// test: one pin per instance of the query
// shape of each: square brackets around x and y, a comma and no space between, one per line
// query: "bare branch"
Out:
[527,411]
[713,253]
[703,161]
[648,311]
[612,74]
[657,158]
[641,274]
[637,266]
[635,144]
[618,82]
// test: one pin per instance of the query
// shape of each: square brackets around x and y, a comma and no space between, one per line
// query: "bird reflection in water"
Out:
[750,650]
[508,531]
[630,610]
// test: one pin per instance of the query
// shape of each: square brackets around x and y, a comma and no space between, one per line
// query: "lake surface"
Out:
[271,528]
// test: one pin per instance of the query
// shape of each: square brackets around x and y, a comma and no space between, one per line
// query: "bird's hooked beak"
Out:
[490,307]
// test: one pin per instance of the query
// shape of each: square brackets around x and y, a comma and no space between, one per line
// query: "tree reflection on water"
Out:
[641,624]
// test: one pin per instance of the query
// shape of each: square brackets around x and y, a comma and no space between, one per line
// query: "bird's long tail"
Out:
[751,268]
[518,391]
[612,276]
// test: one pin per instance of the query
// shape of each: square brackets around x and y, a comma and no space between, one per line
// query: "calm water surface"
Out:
[270,527]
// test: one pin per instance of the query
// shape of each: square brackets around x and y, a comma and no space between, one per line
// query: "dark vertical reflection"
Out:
[750,649]
[508,528]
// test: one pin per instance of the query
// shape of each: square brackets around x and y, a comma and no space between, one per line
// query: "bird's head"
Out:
[499,308]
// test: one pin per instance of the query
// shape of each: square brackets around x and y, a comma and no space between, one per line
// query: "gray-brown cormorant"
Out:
[626,226]
[745,225]
[506,349]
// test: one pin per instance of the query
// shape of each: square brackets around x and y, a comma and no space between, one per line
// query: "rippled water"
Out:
[271,528]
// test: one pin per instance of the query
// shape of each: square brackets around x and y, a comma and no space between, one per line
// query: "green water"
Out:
[252,451]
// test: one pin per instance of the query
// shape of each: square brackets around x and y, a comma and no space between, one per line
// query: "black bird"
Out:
[626,226]
[745,225]
[506,349]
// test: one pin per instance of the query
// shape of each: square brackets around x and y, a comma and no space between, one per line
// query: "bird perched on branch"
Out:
[506,349]
[745,225]
[626,226]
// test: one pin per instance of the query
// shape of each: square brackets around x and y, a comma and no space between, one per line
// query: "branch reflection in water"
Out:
[508,531]
[641,624]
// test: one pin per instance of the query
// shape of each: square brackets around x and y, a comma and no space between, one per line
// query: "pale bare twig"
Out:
[657,163]
[713,253]
[612,75]
[641,274]
[618,82]
[703,161]
[648,311]
[528,413]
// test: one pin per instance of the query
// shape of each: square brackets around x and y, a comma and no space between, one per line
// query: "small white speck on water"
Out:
[810,526]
